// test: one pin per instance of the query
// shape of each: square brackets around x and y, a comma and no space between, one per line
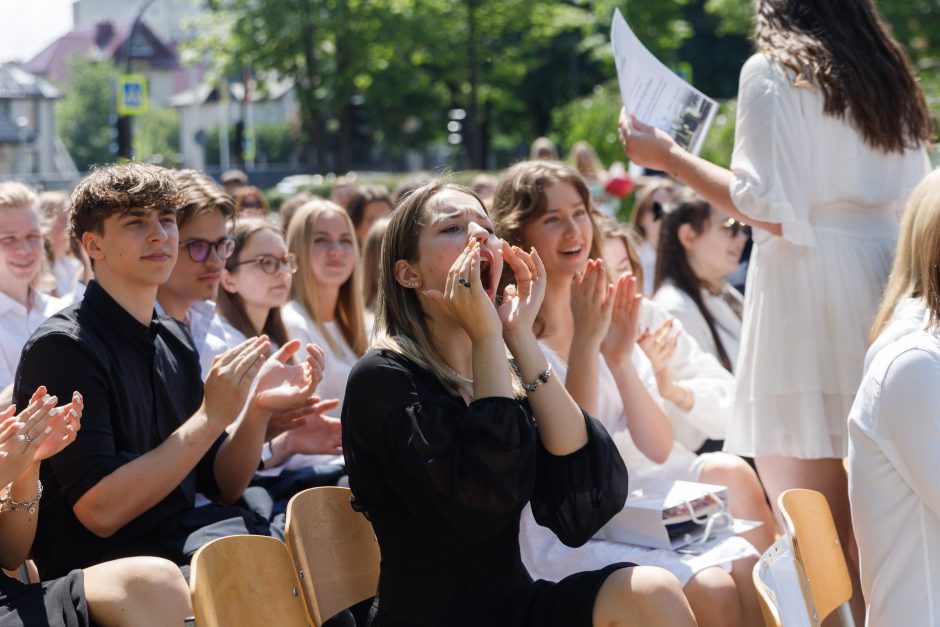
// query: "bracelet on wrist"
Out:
[8,504]
[543,377]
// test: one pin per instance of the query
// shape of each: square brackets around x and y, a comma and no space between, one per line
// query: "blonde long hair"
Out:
[914,273]
[401,325]
[304,289]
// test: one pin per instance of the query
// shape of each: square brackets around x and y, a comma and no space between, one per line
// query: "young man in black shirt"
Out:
[152,436]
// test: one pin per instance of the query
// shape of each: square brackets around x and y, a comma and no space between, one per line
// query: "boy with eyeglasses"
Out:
[153,436]
[188,295]
[22,308]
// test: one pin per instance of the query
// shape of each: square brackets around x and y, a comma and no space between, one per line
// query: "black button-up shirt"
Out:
[139,384]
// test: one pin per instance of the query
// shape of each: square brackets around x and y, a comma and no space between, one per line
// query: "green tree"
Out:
[157,137]
[82,115]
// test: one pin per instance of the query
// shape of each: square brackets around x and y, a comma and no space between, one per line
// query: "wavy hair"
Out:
[845,49]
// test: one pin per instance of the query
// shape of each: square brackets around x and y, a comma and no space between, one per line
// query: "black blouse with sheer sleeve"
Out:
[443,484]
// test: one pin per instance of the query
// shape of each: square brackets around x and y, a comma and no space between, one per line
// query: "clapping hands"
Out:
[37,433]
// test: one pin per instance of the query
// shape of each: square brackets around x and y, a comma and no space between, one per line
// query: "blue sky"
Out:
[28,26]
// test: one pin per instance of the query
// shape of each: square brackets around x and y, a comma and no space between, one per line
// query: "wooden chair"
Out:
[334,550]
[246,581]
[826,583]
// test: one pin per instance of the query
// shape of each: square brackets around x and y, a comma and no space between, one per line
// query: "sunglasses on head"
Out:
[657,210]
[736,226]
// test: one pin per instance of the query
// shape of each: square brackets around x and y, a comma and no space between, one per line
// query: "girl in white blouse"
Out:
[589,328]
[894,436]
[326,306]
[698,247]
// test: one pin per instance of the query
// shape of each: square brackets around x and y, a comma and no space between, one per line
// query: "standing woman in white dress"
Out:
[831,128]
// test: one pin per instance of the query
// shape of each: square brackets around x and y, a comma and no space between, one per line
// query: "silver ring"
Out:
[28,439]
[462,282]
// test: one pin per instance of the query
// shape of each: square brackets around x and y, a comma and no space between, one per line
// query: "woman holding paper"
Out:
[831,128]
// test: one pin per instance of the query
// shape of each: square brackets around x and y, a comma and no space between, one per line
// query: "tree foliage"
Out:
[82,115]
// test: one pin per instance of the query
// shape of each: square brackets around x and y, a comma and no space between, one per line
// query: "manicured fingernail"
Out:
[52,400]
[47,430]
[45,399]
[21,437]
[53,411]
[73,413]
[20,425]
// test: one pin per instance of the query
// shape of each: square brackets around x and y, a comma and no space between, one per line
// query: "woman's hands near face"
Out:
[522,299]
[464,300]
[592,302]
[646,145]
[618,344]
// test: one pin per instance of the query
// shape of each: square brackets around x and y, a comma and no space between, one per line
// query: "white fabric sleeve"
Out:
[909,421]
[712,387]
[771,161]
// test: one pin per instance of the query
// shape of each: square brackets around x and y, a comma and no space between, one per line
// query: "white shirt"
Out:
[908,316]
[337,365]
[66,271]
[727,322]
[17,323]
[712,386]
[647,255]
[894,439]
[211,334]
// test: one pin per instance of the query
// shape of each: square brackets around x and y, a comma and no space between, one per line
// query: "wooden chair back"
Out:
[334,551]
[826,582]
[246,581]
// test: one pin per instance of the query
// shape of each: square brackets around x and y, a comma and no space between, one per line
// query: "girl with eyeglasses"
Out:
[699,247]
[256,283]
[326,306]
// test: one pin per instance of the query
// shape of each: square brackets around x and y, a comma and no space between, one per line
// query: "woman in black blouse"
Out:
[442,447]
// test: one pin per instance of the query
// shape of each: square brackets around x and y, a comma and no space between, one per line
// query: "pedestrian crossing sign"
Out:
[132,94]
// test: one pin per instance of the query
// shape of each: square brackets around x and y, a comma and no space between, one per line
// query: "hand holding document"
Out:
[655,94]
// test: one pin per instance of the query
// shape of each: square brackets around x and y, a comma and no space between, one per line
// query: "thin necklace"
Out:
[460,376]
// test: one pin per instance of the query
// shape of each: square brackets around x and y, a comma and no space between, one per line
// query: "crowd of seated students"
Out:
[503,376]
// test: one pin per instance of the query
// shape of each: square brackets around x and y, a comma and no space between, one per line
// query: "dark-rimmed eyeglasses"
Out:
[199,249]
[271,264]
[735,227]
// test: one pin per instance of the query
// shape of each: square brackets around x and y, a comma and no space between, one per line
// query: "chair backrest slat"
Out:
[246,580]
[334,550]
[817,548]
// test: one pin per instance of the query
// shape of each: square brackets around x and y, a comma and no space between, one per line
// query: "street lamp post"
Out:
[125,124]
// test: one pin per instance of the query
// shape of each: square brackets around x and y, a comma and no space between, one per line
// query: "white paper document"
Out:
[655,94]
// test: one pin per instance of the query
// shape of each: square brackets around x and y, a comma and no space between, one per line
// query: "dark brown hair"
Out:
[246,192]
[672,262]
[231,306]
[200,193]
[845,49]
[367,193]
[116,189]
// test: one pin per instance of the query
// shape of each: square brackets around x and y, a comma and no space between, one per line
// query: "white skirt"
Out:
[807,315]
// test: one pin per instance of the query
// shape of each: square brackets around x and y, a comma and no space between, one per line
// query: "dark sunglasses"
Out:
[199,249]
[271,264]
[736,226]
